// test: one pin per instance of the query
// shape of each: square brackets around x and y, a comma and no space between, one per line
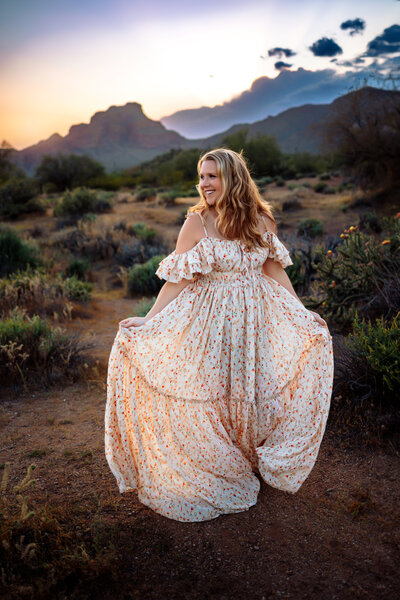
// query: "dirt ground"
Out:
[338,537]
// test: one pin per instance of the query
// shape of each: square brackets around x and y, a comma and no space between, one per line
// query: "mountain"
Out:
[123,136]
[266,97]
[119,137]
[301,129]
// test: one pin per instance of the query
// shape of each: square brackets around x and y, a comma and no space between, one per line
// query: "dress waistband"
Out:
[230,279]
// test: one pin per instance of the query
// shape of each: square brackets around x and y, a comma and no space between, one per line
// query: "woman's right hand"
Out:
[133,322]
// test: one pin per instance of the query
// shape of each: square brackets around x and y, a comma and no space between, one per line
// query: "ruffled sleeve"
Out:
[175,267]
[278,252]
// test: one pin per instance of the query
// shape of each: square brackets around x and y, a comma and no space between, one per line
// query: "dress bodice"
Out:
[218,261]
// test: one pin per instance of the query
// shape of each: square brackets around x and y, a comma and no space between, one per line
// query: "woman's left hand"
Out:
[133,322]
[318,318]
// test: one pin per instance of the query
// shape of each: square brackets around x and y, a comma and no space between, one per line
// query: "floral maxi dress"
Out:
[232,378]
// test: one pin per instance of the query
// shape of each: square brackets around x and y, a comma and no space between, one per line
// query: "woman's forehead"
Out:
[209,166]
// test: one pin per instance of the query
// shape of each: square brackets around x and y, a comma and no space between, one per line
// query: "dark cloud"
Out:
[325,47]
[280,52]
[353,25]
[281,65]
[354,63]
[386,43]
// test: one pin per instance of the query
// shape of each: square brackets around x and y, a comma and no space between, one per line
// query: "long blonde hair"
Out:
[240,203]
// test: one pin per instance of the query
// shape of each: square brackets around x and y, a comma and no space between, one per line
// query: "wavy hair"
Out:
[240,203]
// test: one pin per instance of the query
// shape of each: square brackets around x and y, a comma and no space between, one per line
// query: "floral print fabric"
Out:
[232,377]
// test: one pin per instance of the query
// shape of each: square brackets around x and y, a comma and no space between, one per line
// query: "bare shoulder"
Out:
[267,224]
[190,234]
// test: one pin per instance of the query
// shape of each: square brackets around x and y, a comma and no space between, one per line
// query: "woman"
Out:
[228,375]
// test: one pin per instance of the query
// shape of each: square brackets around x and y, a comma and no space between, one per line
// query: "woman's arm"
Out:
[276,271]
[189,235]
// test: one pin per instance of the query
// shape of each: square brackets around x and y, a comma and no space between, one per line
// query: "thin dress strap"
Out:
[204,223]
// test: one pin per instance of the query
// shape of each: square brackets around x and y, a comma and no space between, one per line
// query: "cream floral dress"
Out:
[232,378]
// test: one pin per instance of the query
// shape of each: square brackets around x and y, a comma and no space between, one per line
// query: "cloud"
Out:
[354,63]
[354,25]
[281,65]
[386,43]
[280,52]
[325,47]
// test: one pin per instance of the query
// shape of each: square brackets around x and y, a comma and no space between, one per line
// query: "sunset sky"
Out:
[61,61]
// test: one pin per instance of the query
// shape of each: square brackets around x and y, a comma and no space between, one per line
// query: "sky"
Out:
[63,60]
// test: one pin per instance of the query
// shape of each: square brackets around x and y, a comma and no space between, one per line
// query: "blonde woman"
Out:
[228,376]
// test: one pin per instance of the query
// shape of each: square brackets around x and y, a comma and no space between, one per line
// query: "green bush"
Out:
[80,202]
[16,254]
[142,232]
[142,278]
[379,345]
[361,275]
[324,177]
[143,307]
[145,194]
[168,198]
[77,268]
[310,228]
[330,190]
[303,270]
[17,197]
[367,379]
[320,187]
[30,347]
[68,171]
[77,290]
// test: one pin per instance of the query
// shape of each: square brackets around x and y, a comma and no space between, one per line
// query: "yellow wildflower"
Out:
[385,242]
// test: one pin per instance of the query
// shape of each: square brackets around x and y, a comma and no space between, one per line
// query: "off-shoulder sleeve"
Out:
[175,267]
[278,252]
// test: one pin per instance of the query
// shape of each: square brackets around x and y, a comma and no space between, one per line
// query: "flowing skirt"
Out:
[221,384]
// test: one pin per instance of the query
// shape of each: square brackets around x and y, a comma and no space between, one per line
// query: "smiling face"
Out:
[210,182]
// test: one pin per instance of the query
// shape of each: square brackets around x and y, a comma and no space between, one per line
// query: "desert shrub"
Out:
[266,180]
[292,186]
[361,275]
[324,177]
[17,197]
[367,378]
[320,187]
[330,190]
[291,204]
[306,184]
[142,278]
[303,271]
[142,232]
[143,307]
[369,221]
[145,194]
[191,193]
[68,171]
[279,181]
[77,268]
[80,202]
[15,253]
[39,555]
[30,347]
[168,198]
[310,228]
[102,246]
[77,290]
[43,294]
